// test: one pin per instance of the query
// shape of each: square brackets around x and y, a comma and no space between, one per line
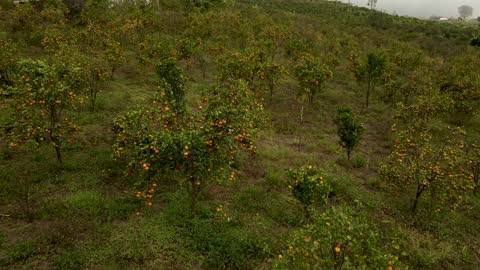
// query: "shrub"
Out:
[87,72]
[296,47]
[312,76]
[337,239]
[173,86]
[349,130]
[241,66]
[309,186]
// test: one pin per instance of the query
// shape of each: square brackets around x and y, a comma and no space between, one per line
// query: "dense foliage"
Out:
[337,239]
[309,186]
[198,148]
[40,96]
[349,130]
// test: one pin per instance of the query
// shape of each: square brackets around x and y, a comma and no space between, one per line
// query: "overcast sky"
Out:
[423,8]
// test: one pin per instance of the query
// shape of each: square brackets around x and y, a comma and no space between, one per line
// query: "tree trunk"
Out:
[194,196]
[203,67]
[308,217]
[420,189]
[301,115]
[476,177]
[349,154]
[27,206]
[58,153]
[367,99]
[52,134]
[113,72]
[271,91]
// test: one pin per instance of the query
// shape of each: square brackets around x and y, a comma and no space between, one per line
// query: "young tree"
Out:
[297,46]
[41,95]
[254,67]
[186,48]
[309,186]
[416,159]
[370,71]
[105,37]
[154,49]
[349,130]
[270,74]
[173,81]
[273,37]
[241,66]
[199,148]
[312,76]
[87,71]
[115,55]
[424,160]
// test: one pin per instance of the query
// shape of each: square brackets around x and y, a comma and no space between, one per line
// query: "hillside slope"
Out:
[87,212]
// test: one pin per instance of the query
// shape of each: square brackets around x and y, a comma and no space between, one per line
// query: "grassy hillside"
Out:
[85,213]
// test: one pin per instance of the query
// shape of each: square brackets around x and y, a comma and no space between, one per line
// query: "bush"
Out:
[349,130]
[337,239]
[173,81]
[309,186]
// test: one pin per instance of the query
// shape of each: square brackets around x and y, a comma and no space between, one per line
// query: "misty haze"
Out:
[422,8]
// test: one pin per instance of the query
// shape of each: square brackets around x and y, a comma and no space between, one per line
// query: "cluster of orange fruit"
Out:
[148,194]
